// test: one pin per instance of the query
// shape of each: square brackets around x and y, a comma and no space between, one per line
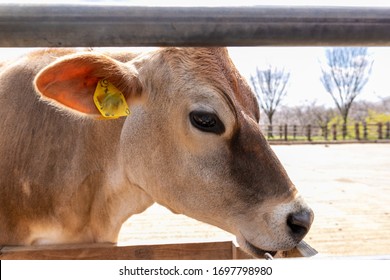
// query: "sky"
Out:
[302,62]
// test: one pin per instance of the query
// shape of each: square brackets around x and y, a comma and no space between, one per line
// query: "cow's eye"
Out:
[207,122]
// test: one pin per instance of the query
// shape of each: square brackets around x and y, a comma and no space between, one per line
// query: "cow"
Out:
[173,126]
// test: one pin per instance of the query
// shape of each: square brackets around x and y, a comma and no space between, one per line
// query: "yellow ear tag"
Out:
[110,101]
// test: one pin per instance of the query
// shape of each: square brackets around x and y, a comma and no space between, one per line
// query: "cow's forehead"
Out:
[214,66]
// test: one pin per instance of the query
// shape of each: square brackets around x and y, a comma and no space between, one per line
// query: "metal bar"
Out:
[42,25]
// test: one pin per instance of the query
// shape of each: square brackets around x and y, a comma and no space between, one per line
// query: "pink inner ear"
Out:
[91,81]
[72,81]
[78,95]
[70,84]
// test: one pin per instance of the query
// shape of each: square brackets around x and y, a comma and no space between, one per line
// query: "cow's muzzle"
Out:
[279,228]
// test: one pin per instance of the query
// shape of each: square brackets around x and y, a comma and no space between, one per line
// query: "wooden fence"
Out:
[357,131]
[225,250]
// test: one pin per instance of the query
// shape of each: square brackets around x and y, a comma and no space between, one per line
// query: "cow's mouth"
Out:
[257,252]
[253,250]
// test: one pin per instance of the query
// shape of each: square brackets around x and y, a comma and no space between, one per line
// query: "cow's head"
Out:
[193,141]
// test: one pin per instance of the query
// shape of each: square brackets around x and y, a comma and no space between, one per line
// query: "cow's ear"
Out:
[72,81]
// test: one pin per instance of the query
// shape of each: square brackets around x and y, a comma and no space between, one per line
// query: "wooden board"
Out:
[186,251]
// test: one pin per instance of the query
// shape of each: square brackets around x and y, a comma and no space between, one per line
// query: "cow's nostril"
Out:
[300,223]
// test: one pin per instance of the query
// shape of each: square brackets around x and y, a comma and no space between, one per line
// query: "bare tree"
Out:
[344,75]
[270,86]
[321,116]
[385,104]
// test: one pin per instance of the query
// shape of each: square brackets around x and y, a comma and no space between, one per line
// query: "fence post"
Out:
[365,134]
[294,132]
[270,132]
[285,132]
[334,130]
[357,131]
[326,132]
[380,135]
[388,130]
[308,132]
[344,131]
[281,131]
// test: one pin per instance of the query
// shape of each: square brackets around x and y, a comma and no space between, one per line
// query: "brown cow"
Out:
[191,143]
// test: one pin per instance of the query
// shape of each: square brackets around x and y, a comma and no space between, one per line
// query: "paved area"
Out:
[348,187]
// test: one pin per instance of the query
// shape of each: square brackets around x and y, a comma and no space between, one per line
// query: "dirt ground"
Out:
[347,185]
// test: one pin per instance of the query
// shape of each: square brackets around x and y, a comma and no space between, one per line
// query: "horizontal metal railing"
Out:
[54,25]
